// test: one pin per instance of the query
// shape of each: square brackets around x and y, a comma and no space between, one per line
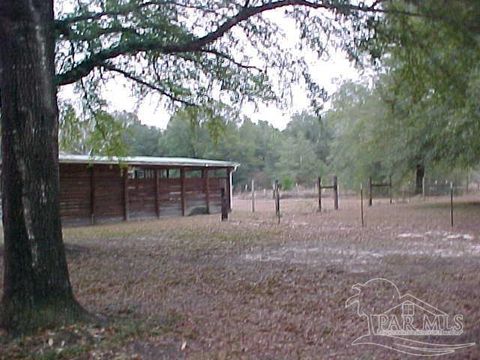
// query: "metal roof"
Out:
[144,160]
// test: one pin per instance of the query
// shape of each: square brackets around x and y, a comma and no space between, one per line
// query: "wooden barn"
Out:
[102,189]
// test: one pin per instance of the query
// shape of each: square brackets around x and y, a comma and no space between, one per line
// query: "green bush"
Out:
[287,183]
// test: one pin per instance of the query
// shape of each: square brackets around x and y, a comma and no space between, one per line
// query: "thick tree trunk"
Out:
[37,290]
[419,174]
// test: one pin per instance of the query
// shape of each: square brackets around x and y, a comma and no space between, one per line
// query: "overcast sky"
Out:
[328,72]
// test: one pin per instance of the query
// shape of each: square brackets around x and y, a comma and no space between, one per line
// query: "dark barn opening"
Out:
[101,189]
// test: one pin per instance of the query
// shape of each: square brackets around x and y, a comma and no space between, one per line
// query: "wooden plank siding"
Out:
[108,193]
[75,199]
[141,198]
[215,185]
[169,197]
[102,193]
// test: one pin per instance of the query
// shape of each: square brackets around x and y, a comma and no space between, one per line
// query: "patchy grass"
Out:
[77,341]
[248,288]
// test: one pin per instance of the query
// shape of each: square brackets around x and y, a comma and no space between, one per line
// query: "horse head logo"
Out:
[390,318]
[372,298]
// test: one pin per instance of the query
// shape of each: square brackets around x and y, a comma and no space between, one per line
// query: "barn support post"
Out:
[182,189]
[206,184]
[224,201]
[92,194]
[335,192]
[125,195]
[370,188]
[157,196]
[319,186]
[229,189]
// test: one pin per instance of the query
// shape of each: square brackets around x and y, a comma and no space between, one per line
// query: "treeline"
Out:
[360,136]
[296,155]
[381,136]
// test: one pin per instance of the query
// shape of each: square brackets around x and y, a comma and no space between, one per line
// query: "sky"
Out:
[329,72]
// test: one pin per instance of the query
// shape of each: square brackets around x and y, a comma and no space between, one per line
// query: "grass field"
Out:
[197,288]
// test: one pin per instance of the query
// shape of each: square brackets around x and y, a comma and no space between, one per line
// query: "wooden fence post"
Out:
[424,189]
[253,195]
[319,185]
[335,192]
[390,189]
[277,201]
[370,191]
[224,205]
[361,204]
[451,204]
[468,181]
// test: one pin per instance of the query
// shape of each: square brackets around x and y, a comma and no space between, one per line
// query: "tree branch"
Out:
[125,11]
[162,91]
[233,61]
[198,44]
[116,29]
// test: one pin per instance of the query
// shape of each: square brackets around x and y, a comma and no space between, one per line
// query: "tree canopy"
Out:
[204,52]
[213,56]
[430,79]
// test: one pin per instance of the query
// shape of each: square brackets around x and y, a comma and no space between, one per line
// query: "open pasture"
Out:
[198,288]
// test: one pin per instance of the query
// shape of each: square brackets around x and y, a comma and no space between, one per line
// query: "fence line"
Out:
[334,187]
[372,185]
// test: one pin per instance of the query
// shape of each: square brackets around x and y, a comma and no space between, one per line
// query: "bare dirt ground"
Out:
[197,288]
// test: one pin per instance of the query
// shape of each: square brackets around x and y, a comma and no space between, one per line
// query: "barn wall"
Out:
[141,198]
[109,189]
[104,193]
[170,198]
[215,186]
[75,202]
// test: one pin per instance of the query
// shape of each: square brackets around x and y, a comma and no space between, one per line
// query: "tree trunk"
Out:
[419,174]
[37,290]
